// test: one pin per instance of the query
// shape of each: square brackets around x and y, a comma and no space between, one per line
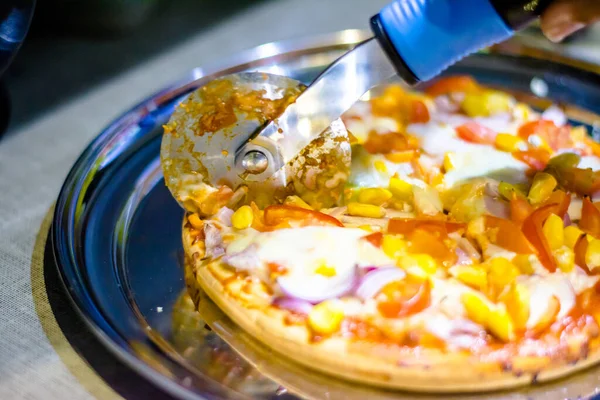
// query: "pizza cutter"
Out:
[414,39]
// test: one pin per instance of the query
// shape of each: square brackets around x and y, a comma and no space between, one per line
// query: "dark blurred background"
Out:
[73,45]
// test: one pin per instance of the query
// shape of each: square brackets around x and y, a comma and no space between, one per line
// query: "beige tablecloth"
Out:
[36,361]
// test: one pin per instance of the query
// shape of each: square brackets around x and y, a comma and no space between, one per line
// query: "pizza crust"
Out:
[372,363]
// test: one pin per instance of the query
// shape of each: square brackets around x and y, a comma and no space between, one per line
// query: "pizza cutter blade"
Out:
[208,129]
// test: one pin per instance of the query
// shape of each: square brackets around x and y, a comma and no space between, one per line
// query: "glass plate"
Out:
[116,237]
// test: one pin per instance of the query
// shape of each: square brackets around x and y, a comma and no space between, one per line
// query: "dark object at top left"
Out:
[15,17]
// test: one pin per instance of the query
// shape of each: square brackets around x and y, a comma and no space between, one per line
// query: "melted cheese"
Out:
[303,251]
[374,170]
[471,160]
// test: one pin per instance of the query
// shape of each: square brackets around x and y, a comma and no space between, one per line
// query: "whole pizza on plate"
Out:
[463,256]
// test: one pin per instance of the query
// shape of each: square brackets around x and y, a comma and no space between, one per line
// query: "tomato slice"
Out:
[520,208]
[419,113]
[532,228]
[405,297]
[375,238]
[421,241]
[556,137]
[535,158]
[476,133]
[285,216]
[406,226]
[590,218]
[450,84]
[508,235]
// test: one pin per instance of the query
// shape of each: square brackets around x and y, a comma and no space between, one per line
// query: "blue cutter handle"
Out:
[431,35]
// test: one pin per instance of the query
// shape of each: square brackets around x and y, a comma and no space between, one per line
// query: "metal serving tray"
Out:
[116,238]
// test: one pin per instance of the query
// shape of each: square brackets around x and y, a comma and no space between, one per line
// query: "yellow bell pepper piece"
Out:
[554,231]
[374,196]
[326,317]
[542,187]
[365,210]
[242,218]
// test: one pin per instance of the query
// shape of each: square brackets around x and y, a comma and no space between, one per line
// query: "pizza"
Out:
[462,256]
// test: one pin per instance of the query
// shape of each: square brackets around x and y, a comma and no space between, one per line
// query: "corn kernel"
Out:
[374,196]
[242,218]
[509,143]
[500,324]
[449,161]
[366,210]
[516,301]
[419,265]
[296,201]
[485,104]
[471,275]
[393,246]
[554,231]
[592,255]
[477,309]
[380,166]
[195,221]
[400,189]
[542,187]
[326,270]
[326,317]
[572,234]
[524,263]
[565,258]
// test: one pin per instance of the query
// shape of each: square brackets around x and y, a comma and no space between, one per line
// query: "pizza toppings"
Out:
[466,223]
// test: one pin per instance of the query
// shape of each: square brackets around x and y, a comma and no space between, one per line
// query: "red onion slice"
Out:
[224,216]
[294,305]
[314,289]
[374,280]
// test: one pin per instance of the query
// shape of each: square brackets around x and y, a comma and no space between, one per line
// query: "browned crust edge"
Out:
[434,372]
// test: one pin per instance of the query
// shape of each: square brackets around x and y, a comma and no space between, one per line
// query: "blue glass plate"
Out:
[116,232]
